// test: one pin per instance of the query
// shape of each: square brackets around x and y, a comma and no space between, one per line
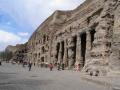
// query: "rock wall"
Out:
[19,52]
[115,54]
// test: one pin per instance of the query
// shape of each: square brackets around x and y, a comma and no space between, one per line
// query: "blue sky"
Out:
[19,18]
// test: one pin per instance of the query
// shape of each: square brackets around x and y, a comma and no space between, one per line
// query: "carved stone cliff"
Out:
[86,39]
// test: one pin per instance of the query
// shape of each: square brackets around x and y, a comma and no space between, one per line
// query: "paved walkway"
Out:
[111,81]
[15,77]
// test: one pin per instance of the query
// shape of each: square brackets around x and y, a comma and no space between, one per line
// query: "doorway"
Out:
[83,47]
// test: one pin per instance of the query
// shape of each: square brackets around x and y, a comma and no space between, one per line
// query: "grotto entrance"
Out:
[62,50]
[74,49]
[83,47]
[92,32]
[42,59]
[58,47]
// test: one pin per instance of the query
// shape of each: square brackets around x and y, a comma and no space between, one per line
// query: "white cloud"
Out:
[8,38]
[37,11]
[34,12]
[29,14]
[23,33]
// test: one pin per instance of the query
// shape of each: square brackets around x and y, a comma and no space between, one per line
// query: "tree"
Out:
[6,55]
[2,55]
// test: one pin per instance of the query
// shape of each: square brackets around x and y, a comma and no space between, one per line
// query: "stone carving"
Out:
[71,52]
[70,41]
[70,57]
[104,27]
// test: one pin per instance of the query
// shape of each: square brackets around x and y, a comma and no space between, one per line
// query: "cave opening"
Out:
[62,49]
[74,48]
[58,47]
[83,47]
[92,32]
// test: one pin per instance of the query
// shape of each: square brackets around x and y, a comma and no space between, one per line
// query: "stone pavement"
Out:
[110,81]
[15,77]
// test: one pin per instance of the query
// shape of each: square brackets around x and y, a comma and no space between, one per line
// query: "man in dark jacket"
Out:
[30,66]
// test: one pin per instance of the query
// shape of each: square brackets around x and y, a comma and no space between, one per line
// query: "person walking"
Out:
[58,67]
[51,66]
[30,65]
[0,63]
[23,64]
[63,66]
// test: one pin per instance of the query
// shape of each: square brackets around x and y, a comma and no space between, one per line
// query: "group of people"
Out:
[29,65]
[59,66]
[62,67]
[51,66]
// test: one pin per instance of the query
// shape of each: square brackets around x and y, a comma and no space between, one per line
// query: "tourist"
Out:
[51,66]
[30,65]
[58,67]
[78,67]
[34,63]
[0,63]
[41,64]
[63,66]
[23,64]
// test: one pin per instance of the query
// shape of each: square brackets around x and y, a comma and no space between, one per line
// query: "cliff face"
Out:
[19,52]
[86,38]
[12,49]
